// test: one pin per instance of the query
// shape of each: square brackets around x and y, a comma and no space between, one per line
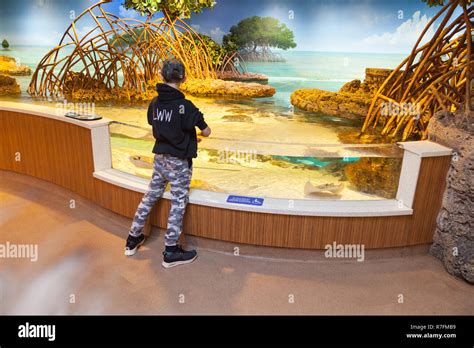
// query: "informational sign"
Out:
[245,200]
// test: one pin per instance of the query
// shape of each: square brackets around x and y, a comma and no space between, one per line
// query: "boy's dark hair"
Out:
[173,71]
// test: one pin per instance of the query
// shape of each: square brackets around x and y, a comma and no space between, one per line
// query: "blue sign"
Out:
[245,200]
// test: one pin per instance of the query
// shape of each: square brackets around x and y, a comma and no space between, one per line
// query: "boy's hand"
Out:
[206,132]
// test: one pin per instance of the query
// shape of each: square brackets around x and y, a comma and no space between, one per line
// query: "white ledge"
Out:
[342,208]
[51,112]
[426,148]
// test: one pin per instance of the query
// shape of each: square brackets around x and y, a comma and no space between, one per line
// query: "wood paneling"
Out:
[428,198]
[61,153]
[55,151]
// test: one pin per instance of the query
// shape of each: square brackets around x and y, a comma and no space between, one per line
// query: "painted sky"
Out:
[385,26]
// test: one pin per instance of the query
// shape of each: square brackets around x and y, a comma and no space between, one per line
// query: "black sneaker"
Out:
[178,257]
[133,243]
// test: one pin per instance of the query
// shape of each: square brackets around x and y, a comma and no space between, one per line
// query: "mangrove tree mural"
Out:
[255,36]
[435,76]
[119,58]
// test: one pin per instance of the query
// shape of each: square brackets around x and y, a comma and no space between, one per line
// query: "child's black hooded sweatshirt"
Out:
[174,119]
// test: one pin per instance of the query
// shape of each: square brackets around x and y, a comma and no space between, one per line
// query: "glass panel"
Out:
[289,170]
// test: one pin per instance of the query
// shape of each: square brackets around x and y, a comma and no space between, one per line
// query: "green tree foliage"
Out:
[126,39]
[260,32]
[171,8]
[216,52]
[5,44]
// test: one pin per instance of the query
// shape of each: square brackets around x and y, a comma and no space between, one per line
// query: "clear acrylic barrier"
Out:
[271,169]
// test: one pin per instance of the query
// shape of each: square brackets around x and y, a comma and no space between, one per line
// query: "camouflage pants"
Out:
[176,171]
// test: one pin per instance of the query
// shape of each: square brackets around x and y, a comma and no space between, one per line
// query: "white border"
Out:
[50,112]
[348,208]
[426,148]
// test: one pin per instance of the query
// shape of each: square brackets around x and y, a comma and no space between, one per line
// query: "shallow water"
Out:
[259,147]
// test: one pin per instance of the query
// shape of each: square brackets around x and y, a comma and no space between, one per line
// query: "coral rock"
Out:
[208,87]
[344,104]
[453,241]
[9,66]
[8,86]
[245,77]
[375,175]
[351,101]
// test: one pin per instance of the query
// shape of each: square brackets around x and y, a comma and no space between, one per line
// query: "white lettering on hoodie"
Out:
[163,115]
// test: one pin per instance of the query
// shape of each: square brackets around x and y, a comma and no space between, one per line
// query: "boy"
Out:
[173,119]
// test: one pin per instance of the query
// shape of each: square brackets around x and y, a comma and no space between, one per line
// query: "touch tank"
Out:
[289,121]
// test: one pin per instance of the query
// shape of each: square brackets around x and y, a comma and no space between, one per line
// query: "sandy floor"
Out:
[81,269]
[261,179]
[249,120]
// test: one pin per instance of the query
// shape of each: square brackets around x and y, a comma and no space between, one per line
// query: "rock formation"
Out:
[242,77]
[8,86]
[215,87]
[351,101]
[9,66]
[80,87]
[375,175]
[454,235]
